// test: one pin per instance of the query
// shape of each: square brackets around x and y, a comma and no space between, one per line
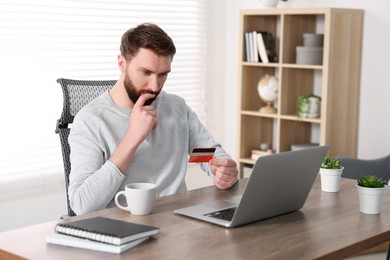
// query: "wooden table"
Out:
[329,226]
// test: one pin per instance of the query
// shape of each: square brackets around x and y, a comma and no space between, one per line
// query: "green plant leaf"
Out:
[331,163]
[371,181]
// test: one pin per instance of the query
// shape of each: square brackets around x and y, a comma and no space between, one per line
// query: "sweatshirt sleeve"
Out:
[93,180]
[200,137]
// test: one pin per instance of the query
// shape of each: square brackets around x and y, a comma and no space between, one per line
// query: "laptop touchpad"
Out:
[235,199]
[221,204]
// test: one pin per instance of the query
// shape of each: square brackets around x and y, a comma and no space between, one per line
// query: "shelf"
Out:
[283,65]
[299,119]
[285,117]
[336,81]
[301,66]
[257,113]
[259,64]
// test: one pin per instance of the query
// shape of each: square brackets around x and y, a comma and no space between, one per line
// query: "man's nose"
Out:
[154,84]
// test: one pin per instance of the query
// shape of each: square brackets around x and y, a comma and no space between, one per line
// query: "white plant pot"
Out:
[285,4]
[370,199]
[270,3]
[330,179]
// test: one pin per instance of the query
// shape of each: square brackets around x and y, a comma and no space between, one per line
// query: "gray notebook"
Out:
[279,184]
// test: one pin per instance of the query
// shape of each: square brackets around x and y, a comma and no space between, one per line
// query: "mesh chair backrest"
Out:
[76,94]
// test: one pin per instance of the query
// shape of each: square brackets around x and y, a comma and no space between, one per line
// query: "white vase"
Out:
[314,107]
[308,106]
[270,3]
[370,199]
[330,179]
[285,4]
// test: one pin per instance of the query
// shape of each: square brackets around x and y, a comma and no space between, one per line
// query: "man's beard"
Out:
[134,95]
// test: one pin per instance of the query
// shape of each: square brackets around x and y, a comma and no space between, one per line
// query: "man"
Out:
[138,133]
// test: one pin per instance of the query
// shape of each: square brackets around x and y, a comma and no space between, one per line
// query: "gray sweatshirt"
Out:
[161,159]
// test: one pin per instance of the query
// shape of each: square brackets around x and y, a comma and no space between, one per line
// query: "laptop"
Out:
[279,184]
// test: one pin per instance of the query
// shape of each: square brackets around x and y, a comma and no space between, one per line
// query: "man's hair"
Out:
[148,36]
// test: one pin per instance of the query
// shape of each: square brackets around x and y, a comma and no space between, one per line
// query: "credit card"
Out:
[201,155]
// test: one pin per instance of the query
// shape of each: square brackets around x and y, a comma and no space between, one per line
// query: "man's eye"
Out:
[147,73]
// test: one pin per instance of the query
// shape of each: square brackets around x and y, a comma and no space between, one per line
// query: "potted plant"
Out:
[370,189]
[308,106]
[270,3]
[285,4]
[330,171]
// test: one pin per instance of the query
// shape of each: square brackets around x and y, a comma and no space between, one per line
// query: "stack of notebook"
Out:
[101,234]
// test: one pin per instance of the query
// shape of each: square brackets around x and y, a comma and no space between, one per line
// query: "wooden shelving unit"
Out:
[337,81]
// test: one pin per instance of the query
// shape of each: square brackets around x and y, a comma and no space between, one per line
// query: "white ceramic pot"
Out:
[370,199]
[308,106]
[330,179]
[270,3]
[285,4]
[314,107]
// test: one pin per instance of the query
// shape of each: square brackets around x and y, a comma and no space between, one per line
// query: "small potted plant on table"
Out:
[330,171]
[370,190]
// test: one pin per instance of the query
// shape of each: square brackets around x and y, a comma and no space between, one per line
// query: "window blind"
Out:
[43,40]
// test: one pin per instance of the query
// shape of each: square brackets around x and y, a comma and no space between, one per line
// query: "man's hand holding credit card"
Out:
[201,155]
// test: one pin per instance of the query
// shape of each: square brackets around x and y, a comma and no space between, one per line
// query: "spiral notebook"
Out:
[71,241]
[106,230]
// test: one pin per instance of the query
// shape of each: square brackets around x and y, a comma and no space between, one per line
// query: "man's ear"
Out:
[121,63]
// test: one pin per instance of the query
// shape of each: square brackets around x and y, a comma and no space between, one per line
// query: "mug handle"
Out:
[117,202]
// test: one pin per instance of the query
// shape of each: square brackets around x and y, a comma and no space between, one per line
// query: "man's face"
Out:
[146,72]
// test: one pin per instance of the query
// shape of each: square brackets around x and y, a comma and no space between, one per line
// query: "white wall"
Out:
[374,119]
[29,206]
[216,88]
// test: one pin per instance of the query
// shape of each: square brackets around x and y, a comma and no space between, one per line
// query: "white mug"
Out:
[140,198]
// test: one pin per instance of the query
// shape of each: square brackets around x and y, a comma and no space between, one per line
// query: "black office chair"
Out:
[355,168]
[76,94]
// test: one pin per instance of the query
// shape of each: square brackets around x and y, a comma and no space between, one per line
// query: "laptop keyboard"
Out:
[225,214]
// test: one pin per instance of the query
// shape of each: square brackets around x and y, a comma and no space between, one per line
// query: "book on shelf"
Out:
[71,241]
[255,52]
[269,44]
[251,47]
[260,47]
[250,50]
[106,230]
[247,47]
